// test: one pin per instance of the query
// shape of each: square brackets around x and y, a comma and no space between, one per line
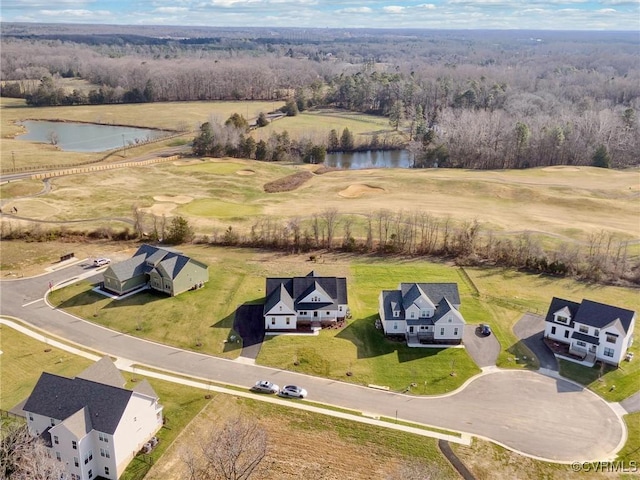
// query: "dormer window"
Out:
[562,319]
[396,313]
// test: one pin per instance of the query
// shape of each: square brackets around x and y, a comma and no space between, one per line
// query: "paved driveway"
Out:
[525,411]
[530,329]
[249,323]
[483,350]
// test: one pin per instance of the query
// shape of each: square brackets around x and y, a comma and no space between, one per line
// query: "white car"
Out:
[293,391]
[99,262]
[265,386]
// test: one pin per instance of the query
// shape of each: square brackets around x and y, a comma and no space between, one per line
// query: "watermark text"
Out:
[606,467]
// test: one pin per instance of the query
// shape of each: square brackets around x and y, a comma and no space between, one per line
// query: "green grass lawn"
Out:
[613,384]
[631,450]
[24,359]
[202,320]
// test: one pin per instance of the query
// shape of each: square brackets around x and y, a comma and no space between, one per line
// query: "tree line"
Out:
[460,101]
[603,257]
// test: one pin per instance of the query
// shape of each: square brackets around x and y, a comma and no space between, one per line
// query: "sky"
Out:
[430,14]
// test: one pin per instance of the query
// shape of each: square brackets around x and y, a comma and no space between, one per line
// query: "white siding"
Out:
[141,420]
[279,322]
[449,327]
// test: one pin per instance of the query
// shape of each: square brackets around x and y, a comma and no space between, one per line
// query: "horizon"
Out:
[535,15]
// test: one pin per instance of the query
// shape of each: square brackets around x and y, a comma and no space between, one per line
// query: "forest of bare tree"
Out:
[473,99]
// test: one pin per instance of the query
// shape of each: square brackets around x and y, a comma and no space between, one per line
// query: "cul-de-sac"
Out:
[353,253]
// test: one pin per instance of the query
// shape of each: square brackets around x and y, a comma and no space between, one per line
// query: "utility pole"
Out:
[13,156]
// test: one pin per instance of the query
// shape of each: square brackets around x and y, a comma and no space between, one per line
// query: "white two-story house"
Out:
[423,313]
[593,331]
[304,302]
[91,423]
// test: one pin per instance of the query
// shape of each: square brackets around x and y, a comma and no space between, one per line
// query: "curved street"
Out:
[534,414]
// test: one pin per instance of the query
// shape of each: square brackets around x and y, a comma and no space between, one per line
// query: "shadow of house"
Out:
[162,269]
[371,342]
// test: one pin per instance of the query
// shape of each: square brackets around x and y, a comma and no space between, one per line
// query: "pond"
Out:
[370,159]
[85,137]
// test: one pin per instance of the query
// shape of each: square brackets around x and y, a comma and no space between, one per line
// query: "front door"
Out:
[410,329]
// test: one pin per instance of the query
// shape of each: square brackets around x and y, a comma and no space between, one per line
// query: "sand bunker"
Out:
[246,172]
[358,190]
[563,168]
[179,199]
[160,209]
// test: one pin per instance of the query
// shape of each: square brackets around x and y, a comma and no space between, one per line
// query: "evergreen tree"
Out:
[601,158]
[179,231]
[261,150]
[334,141]
[346,140]
[262,121]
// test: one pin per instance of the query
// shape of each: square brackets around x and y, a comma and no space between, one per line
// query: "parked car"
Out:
[265,386]
[293,391]
[485,330]
[99,262]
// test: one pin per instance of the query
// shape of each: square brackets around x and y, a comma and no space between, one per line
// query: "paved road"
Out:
[530,329]
[525,411]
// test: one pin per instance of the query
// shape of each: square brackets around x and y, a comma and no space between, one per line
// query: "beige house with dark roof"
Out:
[158,268]
[91,423]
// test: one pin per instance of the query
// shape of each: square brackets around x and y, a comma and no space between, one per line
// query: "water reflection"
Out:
[369,159]
[85,137]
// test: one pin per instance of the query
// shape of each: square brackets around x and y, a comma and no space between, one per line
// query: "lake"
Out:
[85,137]
[370,159]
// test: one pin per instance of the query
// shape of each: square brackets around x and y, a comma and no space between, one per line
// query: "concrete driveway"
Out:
[483,350]
[530,329]
[526,411]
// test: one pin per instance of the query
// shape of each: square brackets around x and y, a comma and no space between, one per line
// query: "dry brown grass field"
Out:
[213,194]
[169,116]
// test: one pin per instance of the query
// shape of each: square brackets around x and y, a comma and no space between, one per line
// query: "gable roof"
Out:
[593,314]
[558,304]
[298,288]
[60,398]
[600,315]
[103,371]
[435,291]
[147,258]
[443,297]
[145,388]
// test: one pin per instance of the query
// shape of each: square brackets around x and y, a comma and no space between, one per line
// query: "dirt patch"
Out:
[288,183]
[179,199]
[246,172]
[334,456]
[324,169]
[358,190]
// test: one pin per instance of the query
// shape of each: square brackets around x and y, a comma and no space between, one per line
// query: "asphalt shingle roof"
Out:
[591,313]
[297,288]
[148,257]
[444,296]
[60,397]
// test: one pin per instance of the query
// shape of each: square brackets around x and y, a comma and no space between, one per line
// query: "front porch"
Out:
[307,327]
[428,340]
[564,351]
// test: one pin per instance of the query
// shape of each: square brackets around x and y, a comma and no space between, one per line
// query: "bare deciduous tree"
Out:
[234,451]
[330,217]
[23,457]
